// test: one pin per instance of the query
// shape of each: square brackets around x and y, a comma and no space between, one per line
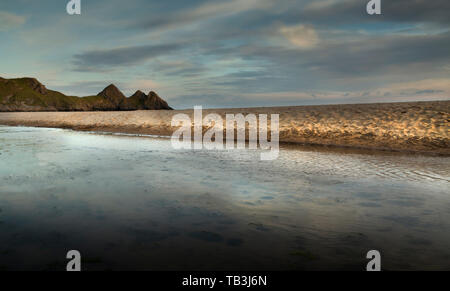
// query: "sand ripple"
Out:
[410,126]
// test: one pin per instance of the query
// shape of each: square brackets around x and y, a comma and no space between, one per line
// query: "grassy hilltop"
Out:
[28,94]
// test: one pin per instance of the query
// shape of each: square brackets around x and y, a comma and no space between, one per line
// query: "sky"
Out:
[233,53]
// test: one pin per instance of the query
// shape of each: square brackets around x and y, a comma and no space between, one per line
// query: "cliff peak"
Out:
[113,94]
[38,98]
[138,93]
[36,85]
[156,103]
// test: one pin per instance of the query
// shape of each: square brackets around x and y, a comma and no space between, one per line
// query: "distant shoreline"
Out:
[408,126]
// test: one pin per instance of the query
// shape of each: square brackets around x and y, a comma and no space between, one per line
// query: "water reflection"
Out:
[135,203]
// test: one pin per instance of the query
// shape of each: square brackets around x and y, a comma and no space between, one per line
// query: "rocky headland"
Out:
[29,95]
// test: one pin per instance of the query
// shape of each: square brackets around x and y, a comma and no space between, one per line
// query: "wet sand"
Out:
[131,203]
[410,126]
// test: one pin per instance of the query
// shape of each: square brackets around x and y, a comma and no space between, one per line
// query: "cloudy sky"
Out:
[232,53]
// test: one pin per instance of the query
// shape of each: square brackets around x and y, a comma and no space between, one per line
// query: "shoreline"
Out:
[416,127]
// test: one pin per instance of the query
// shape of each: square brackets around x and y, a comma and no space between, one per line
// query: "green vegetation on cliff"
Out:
[28,94]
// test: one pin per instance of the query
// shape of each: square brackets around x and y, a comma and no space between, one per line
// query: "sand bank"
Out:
[411,126]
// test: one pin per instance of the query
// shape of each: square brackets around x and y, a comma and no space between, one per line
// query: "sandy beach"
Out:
[410,126]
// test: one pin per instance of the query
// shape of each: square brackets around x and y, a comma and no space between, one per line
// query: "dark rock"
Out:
[155,102]
[37,86]
[113,95]
[140,101]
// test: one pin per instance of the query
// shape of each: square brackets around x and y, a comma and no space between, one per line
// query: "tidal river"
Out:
[135,203]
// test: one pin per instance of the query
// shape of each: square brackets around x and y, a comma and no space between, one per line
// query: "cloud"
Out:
[351,11]
[301,36]
[100,60]
[179,68]
[238,52]
[362,56]
[428,89]
[374,54]
[9,21]
[439,88]
[143,85]
[203,12]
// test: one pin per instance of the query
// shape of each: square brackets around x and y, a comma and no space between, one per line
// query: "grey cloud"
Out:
[165,22]
[9,21]
[188,72]
[248,74]
[375,54]
[352,11]
[261,83]
[291,12]
[364,56]
[200,11]
[179,68]
[364,62]
[100,60]
[429,91]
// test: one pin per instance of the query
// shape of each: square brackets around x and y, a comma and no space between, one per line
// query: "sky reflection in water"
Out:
[135,203]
